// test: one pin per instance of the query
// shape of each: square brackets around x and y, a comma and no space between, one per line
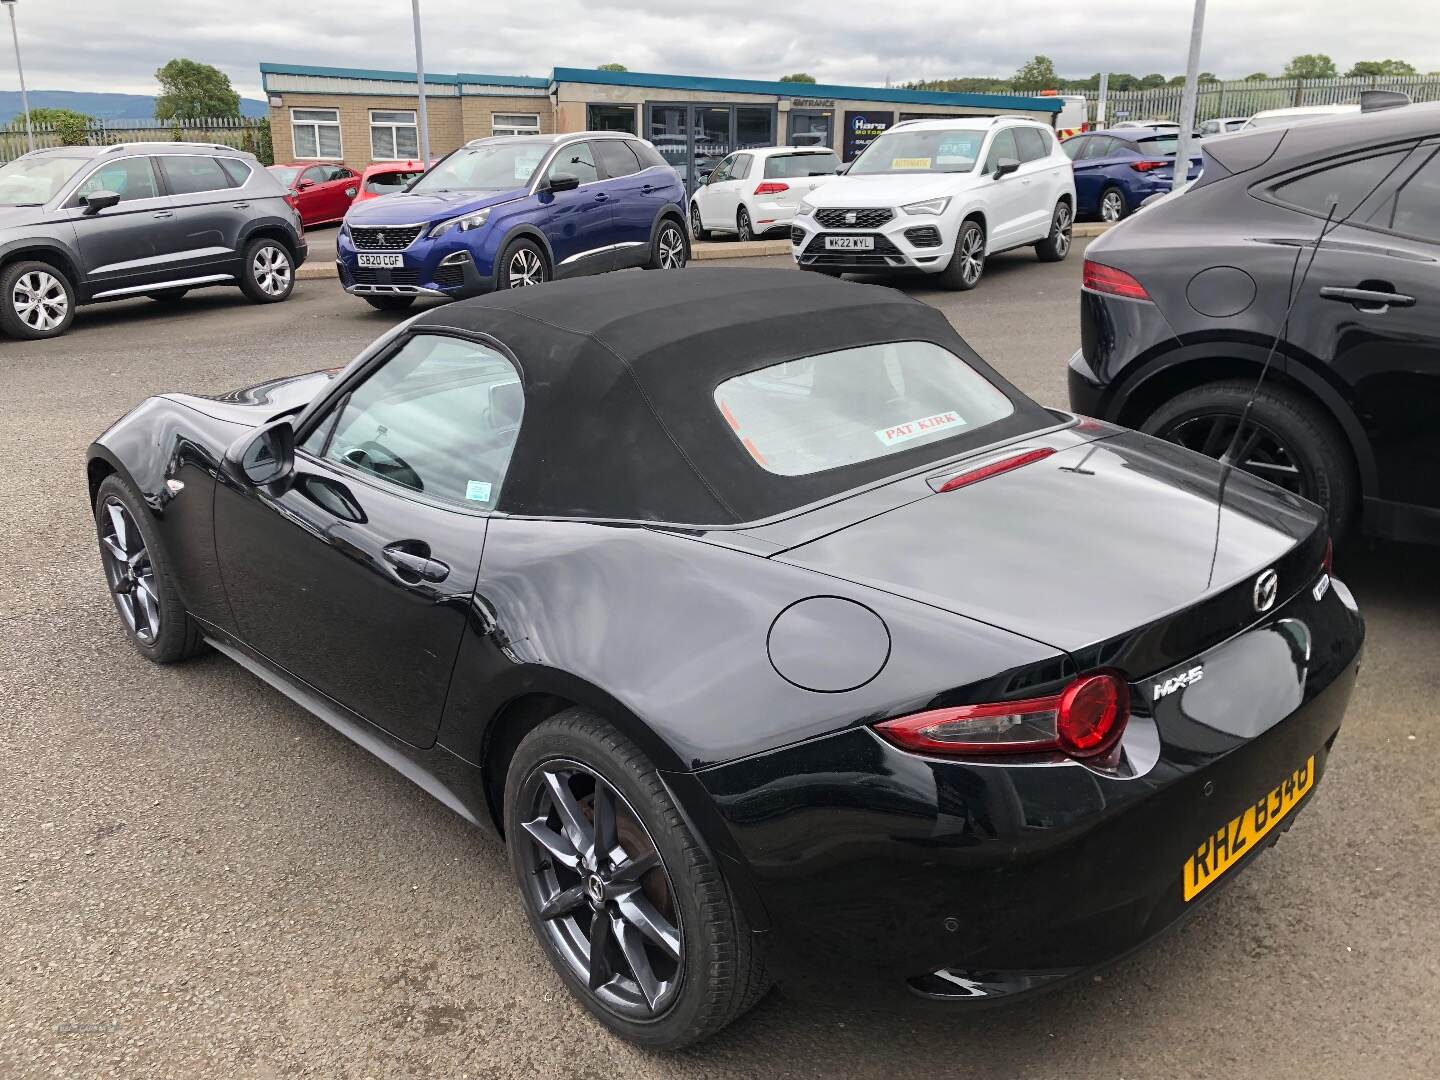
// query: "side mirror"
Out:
[1005,166]
[843,169]
[99,200]
[562,182]
[265,456]
[705,175]
[304,185]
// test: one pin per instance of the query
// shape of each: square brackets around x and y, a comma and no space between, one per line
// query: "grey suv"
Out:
[81,224]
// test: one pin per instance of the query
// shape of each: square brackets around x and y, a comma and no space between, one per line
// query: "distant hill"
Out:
[100,106]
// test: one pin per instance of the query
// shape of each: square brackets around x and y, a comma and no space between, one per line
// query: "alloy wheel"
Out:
[600,890]
[696,228]
[1112,206]
[40,300]
[672,248]
[1260,451]
[271,268]
[1064,219]
[525,269]
[743,226]
[972,256]
[129,571]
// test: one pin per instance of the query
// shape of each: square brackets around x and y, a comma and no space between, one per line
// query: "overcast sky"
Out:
[113,45]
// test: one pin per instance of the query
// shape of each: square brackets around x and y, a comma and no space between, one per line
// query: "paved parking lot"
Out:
[202,880]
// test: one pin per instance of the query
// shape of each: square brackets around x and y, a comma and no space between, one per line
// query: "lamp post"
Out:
[420,86]
[1187,97]
[19,70]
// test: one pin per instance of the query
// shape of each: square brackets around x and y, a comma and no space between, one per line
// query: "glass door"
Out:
[812,127]
[696,138]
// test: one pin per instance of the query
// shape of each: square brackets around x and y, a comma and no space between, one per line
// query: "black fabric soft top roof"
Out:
[619,373]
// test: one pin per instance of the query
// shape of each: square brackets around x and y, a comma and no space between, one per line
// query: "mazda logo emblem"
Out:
[1267,585]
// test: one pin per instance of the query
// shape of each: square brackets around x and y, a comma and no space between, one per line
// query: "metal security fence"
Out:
[1244,98]
[251,134]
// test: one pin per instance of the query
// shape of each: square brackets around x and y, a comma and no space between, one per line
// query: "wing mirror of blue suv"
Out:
[561,182]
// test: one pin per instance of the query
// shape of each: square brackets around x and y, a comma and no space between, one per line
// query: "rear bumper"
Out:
[980,882]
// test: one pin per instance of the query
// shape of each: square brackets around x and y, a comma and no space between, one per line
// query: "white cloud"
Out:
[102,45]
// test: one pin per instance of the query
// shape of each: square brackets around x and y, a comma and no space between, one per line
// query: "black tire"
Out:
[178,635]
[1305,440]
[744,230]
[967,262]
[389,303]
[698,232]
[522,265]
[37,300]
[267,273]
[1056,246]
[719,974]
[168,296]
[1118,208]
[669,250]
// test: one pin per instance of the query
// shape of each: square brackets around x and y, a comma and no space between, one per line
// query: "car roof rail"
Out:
[1376,100]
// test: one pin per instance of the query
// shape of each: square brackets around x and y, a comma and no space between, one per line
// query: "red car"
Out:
[385,177]
[321,191]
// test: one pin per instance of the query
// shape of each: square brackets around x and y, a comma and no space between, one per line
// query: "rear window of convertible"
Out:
[841,408]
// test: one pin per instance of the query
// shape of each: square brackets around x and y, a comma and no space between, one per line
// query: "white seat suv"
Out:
[939,196]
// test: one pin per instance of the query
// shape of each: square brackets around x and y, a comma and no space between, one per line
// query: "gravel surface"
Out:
[197,879]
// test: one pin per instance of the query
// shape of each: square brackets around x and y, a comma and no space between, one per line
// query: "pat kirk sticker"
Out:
[913,429]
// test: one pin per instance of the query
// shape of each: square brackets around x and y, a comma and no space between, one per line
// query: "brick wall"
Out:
[453,121]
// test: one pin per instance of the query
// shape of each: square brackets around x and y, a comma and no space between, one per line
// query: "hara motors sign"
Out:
[863,128]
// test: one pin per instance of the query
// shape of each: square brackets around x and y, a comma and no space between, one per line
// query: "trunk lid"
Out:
[1125,551]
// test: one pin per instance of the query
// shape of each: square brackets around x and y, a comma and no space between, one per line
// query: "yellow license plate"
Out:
[1234,840]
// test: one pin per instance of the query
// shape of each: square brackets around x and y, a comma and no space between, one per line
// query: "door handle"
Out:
[1373,301]
[164,213]
[409,563]
[241,205]
[600,196]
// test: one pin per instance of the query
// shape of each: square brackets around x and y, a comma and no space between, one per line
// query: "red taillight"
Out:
[1148,166]
[1086,719]
[1097,277]
[771,187]
[995,468]
[1327,564]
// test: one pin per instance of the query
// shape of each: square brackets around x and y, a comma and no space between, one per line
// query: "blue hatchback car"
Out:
[1116,171]
[512,211]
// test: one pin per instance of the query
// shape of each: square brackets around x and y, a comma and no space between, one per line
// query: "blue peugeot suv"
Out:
[511,211]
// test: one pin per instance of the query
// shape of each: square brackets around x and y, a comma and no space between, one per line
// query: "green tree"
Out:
[1209,76]
[799,76]
[1038,73]
[72,127]
[1380,68]
[1254,76]
[612,67]
[1150,82]
[1310,66]
[190,90]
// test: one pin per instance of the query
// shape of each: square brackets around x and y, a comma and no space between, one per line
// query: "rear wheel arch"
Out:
[277,233]
[1139,400]
[96,470]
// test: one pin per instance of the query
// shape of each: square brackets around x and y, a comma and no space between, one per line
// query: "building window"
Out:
[515,124]
[316,133]
[611,118]
[393,135]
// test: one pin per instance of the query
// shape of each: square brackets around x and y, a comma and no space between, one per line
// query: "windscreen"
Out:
[387,182]
[840,408]
[35,181]
[790,166]
[920,151]
[285,174]
[494,166]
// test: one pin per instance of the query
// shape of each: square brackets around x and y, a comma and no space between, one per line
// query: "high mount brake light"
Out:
[1085,719]
[1097,277]
[771,188]
[995,468]
[1148,166]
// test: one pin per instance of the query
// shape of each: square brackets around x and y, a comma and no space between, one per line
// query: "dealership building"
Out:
[358,115]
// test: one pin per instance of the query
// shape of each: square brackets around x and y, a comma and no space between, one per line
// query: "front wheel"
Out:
[629,907]
[522,266]
[1056,246]
[697,230]
[389,303]
[669,251]
[36,300]
[967,264]
[268,273]
[1287,440]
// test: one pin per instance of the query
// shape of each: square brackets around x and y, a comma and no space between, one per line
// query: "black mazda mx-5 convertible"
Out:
[777,634]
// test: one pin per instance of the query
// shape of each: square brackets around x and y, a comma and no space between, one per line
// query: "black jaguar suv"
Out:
[81,224]
[1323,241]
